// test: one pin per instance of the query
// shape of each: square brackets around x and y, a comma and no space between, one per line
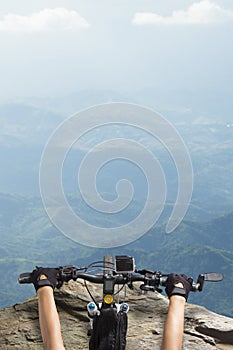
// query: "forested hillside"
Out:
[28,239]
[203,242]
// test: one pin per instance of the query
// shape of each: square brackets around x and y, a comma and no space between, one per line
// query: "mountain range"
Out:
[201,243]
[29,239]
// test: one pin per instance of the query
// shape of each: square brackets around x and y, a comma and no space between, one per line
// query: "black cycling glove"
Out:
[171,289]
[50,273]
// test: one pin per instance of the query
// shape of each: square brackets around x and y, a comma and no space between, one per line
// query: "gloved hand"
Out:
[171,289]
[50,273]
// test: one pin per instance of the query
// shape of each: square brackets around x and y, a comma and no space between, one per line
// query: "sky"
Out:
[57,47]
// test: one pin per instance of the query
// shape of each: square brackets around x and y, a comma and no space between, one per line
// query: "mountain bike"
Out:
[108,316]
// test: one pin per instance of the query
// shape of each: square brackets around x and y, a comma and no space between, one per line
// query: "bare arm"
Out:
[49,320]
[174,326]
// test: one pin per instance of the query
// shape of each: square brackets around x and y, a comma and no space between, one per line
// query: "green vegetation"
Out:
[29,239]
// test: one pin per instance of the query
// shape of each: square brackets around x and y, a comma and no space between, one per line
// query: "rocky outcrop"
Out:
[19,327]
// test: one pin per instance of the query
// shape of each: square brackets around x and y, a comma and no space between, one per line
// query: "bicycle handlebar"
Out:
[151,279]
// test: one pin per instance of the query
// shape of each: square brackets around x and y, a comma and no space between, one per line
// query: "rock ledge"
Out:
[19,327]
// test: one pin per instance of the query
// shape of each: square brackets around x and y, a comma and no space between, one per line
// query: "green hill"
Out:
[29,239]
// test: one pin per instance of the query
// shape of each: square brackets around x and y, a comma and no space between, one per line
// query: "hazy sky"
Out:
[57,46]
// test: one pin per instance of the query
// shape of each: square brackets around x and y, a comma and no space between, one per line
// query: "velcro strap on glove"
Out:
[179,291]
[43,283]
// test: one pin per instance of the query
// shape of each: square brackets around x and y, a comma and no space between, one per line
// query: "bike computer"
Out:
[124,264]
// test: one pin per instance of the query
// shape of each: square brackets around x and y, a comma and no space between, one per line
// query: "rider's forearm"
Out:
[49,320]
[174,326]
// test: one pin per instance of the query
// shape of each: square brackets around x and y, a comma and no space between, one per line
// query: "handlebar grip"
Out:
[195,286]
[163,280]
[25,277]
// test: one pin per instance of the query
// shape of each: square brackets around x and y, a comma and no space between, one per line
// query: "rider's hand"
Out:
[44,277]
[178,285]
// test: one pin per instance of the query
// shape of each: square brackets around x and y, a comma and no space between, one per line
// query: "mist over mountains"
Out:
[26,128]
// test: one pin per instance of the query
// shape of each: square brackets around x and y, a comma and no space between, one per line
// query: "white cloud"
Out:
[203,12]
[56,19]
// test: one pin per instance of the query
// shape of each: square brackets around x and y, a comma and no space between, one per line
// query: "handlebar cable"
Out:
[94,265]
[86,286]
[119,289]
[118,292]
[98,262]
[85,282]
[91,296]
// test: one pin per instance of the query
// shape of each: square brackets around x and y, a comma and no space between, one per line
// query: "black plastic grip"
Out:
[25,277]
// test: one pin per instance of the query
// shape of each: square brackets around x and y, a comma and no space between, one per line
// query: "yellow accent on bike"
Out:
[108,298]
